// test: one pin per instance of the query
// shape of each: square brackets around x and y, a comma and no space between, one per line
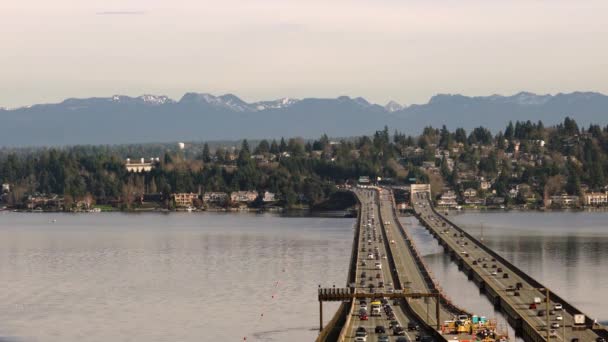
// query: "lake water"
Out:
[167,277]
[211,276]
[566,251]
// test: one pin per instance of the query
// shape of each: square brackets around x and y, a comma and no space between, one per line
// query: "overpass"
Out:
[510,289]
[383,252]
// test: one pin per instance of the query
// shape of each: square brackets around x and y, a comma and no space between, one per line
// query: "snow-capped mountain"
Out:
[393,106]
[276,104]
[200,116]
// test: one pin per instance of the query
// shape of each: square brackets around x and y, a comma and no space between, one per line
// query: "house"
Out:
[269,197]
[564,200]
[496,200]
[184,199]
[6,187]
[473,201]
[363,179]
[485,185]
[595,198]
[513,192]
[142,165]
[243,196]
[447,199]
[470,192]
[215,197]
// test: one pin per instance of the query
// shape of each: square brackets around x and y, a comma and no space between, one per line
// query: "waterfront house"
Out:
[215,198]
[184,199]
[595,198]
[447,199]
[564,200]
[269,197]
[243,196]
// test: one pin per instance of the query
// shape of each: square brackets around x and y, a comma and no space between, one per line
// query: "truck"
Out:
[579,320]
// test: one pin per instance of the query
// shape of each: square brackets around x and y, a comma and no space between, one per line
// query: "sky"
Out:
[402,50]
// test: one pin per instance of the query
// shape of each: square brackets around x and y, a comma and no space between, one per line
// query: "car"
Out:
[426,339]
[393,324]
[533,306]
[555,325]
[361,339]
[600,339]
[401,339]
[363,317]
[559,318]
[494,273]
[378,275]
[558,307]
[552,333]
[361,331]
[380,329]
[398,331]
[412,326]
[541,313]
[383,338]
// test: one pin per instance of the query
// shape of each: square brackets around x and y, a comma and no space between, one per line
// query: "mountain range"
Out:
[198,116]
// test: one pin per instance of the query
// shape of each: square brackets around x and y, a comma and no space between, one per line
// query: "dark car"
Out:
[412,326]
[541,313]
[398,331]
[401,339]
[600,339]
[393,324]
[380,329]
[426,339]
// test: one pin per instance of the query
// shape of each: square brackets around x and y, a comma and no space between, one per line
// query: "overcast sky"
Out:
[403,50]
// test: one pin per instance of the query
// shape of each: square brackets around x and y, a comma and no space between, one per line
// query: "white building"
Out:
[142,165]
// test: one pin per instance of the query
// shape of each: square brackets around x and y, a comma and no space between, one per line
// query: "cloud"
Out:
[121,13]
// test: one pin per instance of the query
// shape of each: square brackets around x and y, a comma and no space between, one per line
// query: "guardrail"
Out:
[343,315]
[533,282]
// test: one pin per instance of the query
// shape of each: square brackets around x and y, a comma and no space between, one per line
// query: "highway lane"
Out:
[371,240]
[495,279]
[410,272]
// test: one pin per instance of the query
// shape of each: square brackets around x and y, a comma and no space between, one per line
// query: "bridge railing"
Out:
[533,282]
[427,275]
[344,313]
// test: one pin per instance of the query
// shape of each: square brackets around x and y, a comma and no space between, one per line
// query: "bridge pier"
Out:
[320,315]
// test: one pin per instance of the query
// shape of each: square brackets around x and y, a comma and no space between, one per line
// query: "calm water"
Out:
[202,277]
[567,251]
[178,277]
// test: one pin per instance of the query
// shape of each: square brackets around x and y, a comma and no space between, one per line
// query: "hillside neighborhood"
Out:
[524,166]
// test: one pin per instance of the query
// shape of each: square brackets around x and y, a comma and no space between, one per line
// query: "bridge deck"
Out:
[471,256]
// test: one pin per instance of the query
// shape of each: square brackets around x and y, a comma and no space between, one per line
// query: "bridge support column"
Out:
[320,315]
[437,313]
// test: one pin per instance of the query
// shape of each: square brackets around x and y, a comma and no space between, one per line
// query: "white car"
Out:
[559,318]
[393,242]
[557,307]
[361,339]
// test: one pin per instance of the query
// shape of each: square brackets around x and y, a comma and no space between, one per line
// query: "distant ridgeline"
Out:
[195,117]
